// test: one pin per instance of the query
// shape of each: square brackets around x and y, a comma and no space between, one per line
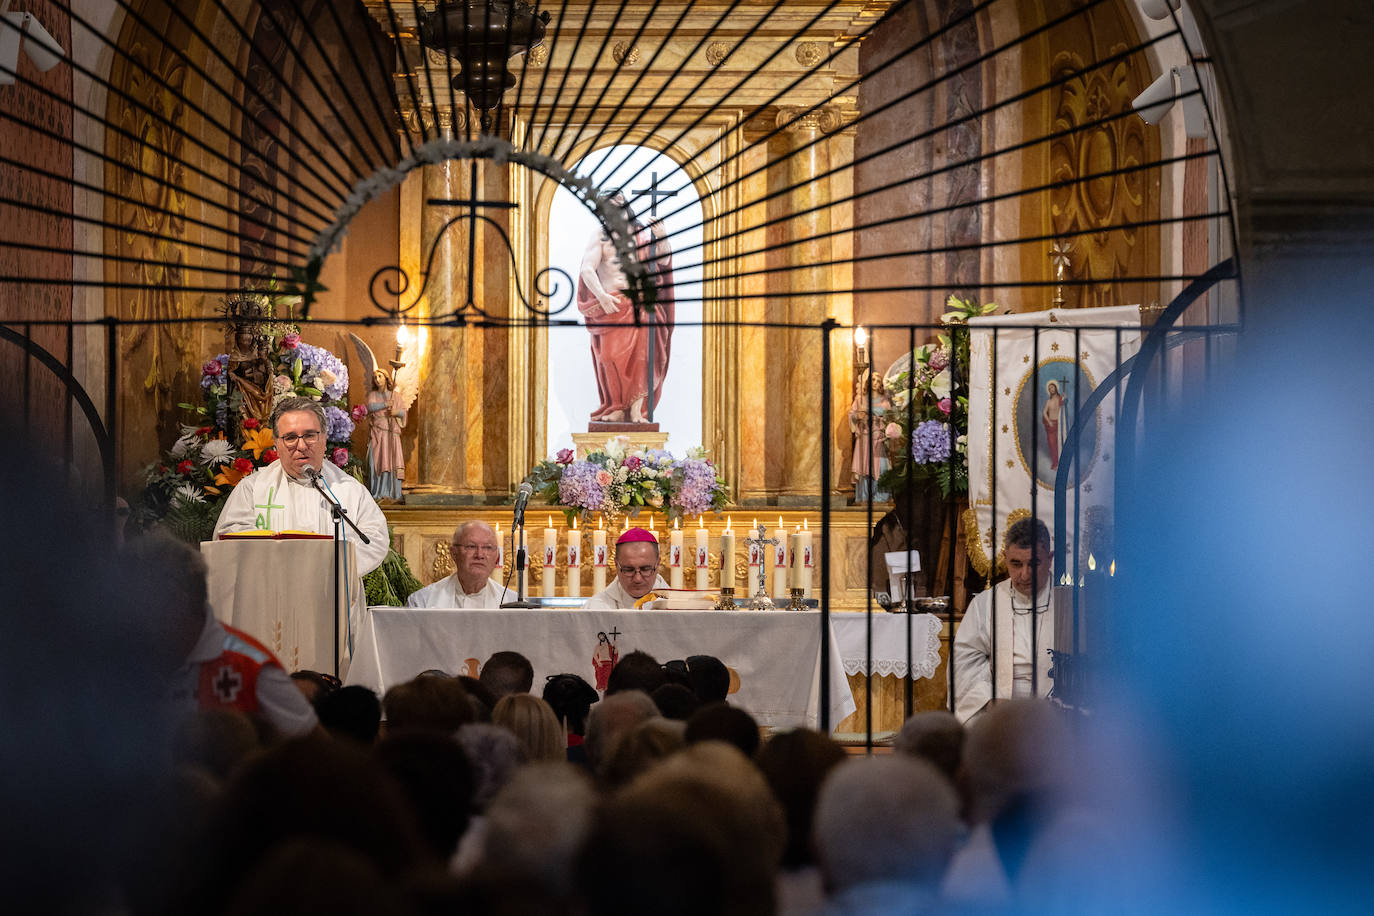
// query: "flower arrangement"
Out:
[927,425]
[187,487]
[615,482]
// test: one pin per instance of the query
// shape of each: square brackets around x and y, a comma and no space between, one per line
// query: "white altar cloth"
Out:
[889,644]
[775,653]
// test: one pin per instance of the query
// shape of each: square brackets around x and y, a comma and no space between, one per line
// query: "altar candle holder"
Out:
[726,602]
[798,602]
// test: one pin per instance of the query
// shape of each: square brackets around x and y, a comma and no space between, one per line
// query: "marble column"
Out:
[808,277]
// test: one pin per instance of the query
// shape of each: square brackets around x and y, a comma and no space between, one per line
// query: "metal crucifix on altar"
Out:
[761,600]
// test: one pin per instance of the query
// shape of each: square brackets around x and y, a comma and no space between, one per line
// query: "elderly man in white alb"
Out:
[636,572]
[475,550]
[1025,628]
[279,497]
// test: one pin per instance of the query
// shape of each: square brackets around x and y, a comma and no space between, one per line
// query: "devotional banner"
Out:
[1024,395]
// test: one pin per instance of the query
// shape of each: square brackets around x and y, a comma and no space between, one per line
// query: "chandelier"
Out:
[481,36]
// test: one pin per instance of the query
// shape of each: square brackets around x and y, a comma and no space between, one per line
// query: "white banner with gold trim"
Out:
[1028,374]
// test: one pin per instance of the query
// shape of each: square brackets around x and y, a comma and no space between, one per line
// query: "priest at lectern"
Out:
[281,497]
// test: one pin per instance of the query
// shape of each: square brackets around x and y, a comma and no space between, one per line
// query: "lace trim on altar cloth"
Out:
[889,657]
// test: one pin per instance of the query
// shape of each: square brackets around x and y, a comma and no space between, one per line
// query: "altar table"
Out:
[775,653]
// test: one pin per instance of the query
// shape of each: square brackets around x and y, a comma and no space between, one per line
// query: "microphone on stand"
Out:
[521,498]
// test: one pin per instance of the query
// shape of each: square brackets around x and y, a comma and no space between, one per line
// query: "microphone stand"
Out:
[340,516]
[521,559]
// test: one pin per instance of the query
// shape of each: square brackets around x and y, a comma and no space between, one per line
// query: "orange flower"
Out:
[229,476]
[257,441]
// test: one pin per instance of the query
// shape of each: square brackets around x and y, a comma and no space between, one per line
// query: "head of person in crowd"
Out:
[1029,556]
[312,875]
[886,821]
[475,549]
[177,606]
[495,755]
[722,722]
[216,741]
[640,748]
[675,672]
[352,713]
[613,717]
[533,723]
[935,736]
[676,702]
[635,671]
[536,826]
[436,778]
[795,764]
[571,698]
[636,562]
[1017,751]
[483,700]
[298,430]
[710,679]
[315,684]
[697,833]
[429,704]
[506,673]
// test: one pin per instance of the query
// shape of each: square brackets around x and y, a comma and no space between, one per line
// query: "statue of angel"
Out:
[389,396]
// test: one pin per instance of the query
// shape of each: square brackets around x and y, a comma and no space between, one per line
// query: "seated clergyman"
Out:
[281,497]
[636,572]
[475,551]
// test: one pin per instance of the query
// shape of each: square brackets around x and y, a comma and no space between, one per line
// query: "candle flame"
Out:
[1081,583]
[651,523]
[779,521]
[1112,569]
[550,521]
[729,523]
[403,335]
[674,524]
[754,523]
[574,523]
[601,521]
[1066,579]
[1092,562]
[805,526]
[700,524]
[860,336]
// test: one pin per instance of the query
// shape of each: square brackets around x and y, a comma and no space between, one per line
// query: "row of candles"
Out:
[792,558]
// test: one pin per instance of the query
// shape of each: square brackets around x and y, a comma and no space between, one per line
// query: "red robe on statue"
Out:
[620,349]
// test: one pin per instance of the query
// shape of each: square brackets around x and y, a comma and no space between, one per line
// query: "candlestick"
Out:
[703,553]
[598,557]
[547,587]
[574,562]
[727,557]
[675,557]
[780,571]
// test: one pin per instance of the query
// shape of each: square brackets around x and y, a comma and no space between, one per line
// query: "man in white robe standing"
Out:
[1024,628]
[636,572]
[475,549]
[279,497]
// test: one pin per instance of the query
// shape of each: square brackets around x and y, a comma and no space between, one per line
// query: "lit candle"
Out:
[795,580]
[574,561]
[808,558]
[550,559]
[780,571]
[599,556]
[755,556]
[727,556]
[675,557]
[703,556]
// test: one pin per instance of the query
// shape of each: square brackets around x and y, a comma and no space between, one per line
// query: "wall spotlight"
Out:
[1175,84]
[1158,9]
[21,31]
[1154,103]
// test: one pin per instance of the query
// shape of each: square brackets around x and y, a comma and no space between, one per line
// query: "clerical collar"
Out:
[298,481]
[1040,606]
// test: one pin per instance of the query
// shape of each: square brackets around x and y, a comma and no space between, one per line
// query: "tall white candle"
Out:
[780,571]
[794,556]
[550,559]
[599,557]
[574,562]
[703,555]
[808,558]
[727,557]
[500,552]
[675,557]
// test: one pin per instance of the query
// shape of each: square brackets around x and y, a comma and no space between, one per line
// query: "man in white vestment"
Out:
[279,497]
[1024,628]
[470,585]
[636,572]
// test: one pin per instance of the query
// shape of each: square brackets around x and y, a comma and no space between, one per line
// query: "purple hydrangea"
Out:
[314,360]
[930,442]
[340,424]
[578,487]
[695,486]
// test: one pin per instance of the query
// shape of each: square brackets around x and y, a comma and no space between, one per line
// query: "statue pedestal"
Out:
[636,436]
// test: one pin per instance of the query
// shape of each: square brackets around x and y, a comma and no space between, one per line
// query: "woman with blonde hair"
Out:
[535,726]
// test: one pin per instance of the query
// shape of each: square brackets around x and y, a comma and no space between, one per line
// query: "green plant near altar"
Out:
[614,482]
[927,424]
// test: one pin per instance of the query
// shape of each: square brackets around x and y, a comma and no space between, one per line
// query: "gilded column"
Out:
[809,276]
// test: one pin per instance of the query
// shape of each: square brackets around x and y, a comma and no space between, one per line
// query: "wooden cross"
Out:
[654,193]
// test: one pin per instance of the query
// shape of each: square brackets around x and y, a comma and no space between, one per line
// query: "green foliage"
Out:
[390,584]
